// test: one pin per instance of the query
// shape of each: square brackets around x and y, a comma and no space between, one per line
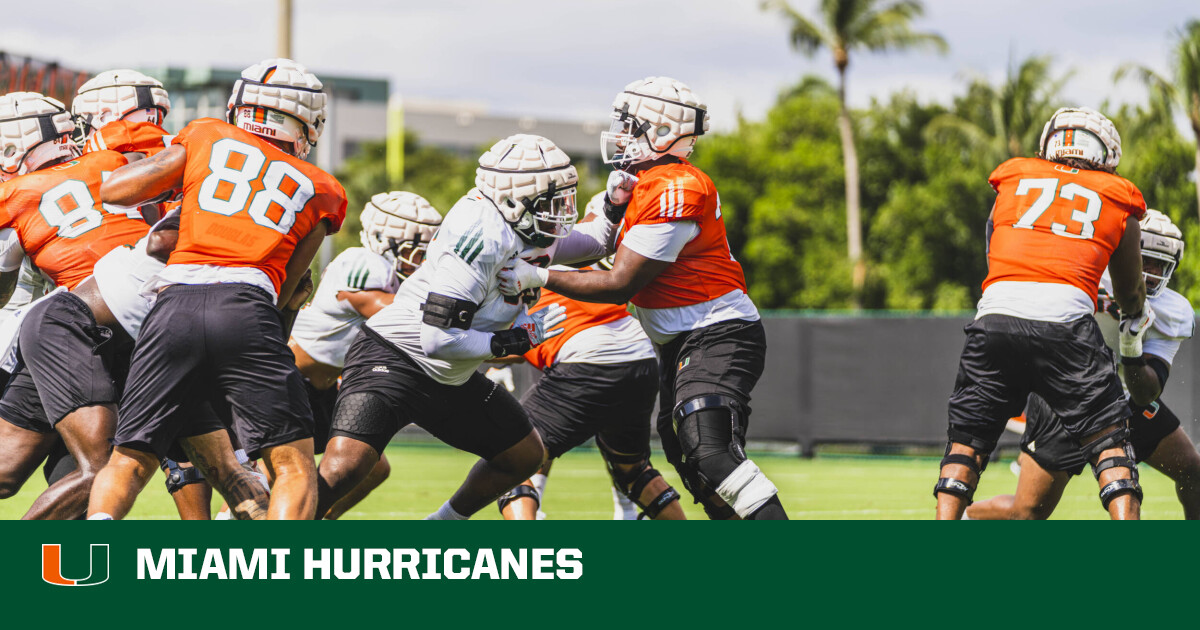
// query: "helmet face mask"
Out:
[399,226]
[1162,249]
[652,118]
[548,217]
[532,183]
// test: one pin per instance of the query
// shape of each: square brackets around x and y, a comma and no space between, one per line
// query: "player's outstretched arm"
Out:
[146,181]
[630,273]
[1125,267]
[1144,378]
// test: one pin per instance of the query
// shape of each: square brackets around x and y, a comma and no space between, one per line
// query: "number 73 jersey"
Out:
[246,203]
[1057,224]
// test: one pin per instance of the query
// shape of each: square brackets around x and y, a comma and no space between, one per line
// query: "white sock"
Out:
[446,513]
[623,508]
[224,515]
[241,456]
[100,516]
[539,483]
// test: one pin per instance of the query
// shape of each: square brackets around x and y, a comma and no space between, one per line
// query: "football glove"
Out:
[529,330]
[519,276]
[1106,304]
[1133,329]
[617,195]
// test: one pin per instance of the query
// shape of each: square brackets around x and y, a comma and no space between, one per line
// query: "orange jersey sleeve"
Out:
[1053,223]
[128,137]
[705,269]
[246,203]
[60,221]
[580,317]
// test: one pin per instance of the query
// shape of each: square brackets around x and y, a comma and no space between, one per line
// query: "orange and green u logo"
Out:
[52,567]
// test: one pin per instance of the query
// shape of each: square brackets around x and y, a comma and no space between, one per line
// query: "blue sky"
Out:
[568,57]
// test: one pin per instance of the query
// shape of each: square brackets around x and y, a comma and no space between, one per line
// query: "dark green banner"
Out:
[590,574]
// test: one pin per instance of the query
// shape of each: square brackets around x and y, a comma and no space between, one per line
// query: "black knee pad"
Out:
[366,418]
[517,493]
[634,482]
[178,476]
[712,435]
[954,486]
[1118,438]
[1115,488]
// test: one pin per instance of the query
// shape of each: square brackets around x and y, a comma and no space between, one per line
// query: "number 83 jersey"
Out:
[59,220]
[246,203]
[1054,230]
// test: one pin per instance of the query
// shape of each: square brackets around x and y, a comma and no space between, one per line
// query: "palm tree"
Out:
[844,26]
[1005,121]
[1184,94]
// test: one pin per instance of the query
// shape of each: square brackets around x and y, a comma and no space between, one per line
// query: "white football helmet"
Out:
[35,130]
[653,117]
[1162,242]
[1081,133]
[532,184]
[595,207]
[119,94]
[280,99]
[399,225]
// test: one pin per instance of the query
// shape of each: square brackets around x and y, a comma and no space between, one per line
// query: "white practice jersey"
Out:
[326,326]
[1174,322]
[471,246]
[121,275]
[31,285]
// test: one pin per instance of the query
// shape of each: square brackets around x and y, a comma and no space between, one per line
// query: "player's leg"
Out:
[118,484]
[59,464]
[1079,381]
[213,454]
[87,432]
[1038,493]
[256,373]
[375,478]
[1176,457]
[21,452]
[987,392]
[188,488]
[712,413]
[635,478]
[481,417]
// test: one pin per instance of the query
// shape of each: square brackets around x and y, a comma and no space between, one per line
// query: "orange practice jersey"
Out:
[129,137]
[580,317]
[705,269]
[60,221]
[246,203]
[1053,223]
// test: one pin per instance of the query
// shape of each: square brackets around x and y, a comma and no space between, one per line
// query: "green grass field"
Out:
[825,487]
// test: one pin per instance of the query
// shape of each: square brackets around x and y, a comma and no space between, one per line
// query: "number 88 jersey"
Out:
[246,203]
[1056,224]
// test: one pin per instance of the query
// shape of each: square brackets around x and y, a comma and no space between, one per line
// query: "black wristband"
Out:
[511,341]
[1134,361]
[613,212]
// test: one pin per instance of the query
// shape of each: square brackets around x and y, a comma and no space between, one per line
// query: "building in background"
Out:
[26,74]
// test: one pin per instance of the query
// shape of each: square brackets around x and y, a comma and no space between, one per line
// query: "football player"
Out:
[1058,221]
[673,263]
[415,361]
[50,211]
[397,229]
[599,379]
[1050,458]
[254,214]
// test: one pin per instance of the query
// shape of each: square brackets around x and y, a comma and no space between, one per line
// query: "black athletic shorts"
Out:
[322,402]
[65,362]
[478,416]
[724,358]
[1007,358]
[1049,444]
[220,343]
[576,401]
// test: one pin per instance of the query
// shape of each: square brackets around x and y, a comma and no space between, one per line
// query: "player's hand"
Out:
[519,276]
[303,291]
[1133,329]
[1106,304]
[542,324]
[502,376]
[617,194]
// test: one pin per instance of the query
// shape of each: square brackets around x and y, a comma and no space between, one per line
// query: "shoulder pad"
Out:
[1174,317]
